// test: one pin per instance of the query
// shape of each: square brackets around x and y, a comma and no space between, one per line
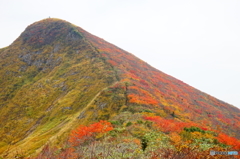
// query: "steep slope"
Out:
[56,76]
[152,89]
[48,74]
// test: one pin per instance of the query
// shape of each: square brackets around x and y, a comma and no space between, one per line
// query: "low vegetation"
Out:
[65,93]
[140,139]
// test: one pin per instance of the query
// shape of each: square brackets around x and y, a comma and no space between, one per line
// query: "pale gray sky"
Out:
[196,41]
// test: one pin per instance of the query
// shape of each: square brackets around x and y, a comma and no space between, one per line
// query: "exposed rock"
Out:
[81,115]
[56,47]
[102,105]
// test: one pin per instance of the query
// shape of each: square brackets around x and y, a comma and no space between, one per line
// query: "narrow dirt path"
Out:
[73,118]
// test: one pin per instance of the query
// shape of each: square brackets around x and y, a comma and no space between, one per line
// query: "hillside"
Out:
[56,76]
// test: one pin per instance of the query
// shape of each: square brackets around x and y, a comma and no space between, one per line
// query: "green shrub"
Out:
[193,129]
[129,124]
[115,122]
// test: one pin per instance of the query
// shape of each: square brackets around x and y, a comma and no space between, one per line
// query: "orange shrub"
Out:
[225,139]
[168,125]
[83,133]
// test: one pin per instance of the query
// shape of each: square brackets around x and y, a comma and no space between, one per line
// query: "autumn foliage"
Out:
[83,133]
[225,139]
[168,125]
[55,70]
[150,87]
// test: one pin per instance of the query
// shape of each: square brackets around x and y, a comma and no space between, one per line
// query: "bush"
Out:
[193,129]
[129,124]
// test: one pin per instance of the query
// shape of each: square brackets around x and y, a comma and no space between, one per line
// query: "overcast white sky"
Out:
[196,41]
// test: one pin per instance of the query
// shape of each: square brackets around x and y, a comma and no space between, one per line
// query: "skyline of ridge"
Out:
[197,42]
[56,75]
[188,83]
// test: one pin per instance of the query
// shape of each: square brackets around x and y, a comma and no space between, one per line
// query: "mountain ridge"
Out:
[55,69]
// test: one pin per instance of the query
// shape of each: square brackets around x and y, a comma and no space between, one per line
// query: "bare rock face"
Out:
[48,61]
[48,31]
[48,39]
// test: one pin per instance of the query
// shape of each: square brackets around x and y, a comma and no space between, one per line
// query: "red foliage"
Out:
[225,139]
[143,82]
[199,111]
[168,125]
[190,103]
[83,133]
[112,62]
[141,96]
[220,116]
[205,129]
[133,76]
[133,98]
[209,115]
[133,71]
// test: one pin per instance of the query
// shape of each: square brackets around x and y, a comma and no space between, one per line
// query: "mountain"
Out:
[56,76]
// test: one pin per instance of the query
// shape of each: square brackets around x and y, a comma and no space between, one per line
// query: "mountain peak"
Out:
[48,30]
[56,76]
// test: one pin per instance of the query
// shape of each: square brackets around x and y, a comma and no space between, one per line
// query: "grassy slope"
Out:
[45,83]
[56,76]
[165,95]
